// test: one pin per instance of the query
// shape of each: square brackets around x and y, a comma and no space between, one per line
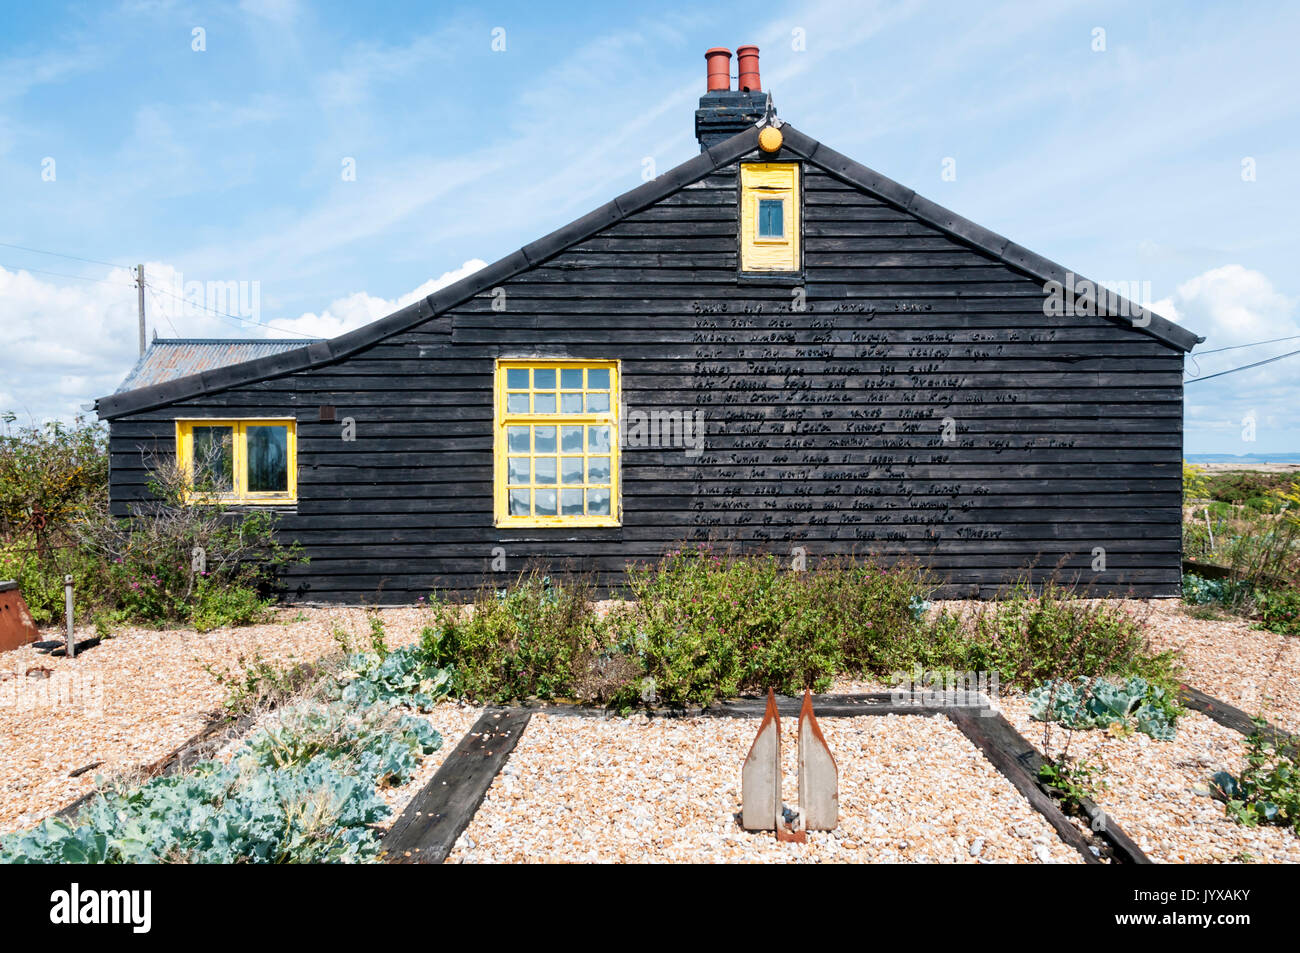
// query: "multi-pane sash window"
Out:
[557,443]
[243,461]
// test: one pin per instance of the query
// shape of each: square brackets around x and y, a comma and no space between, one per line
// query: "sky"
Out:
[304,168]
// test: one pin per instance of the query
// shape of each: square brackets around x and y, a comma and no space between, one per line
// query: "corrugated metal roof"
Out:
[169,358]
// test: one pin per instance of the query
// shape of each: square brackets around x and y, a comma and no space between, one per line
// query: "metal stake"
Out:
[67,602]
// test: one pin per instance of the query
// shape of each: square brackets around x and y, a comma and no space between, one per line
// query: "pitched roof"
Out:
[796,144]
[168,359]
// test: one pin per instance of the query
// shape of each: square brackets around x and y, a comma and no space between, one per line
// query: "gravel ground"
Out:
[1157,790]
[1257,671]
[135,697]
[912,789]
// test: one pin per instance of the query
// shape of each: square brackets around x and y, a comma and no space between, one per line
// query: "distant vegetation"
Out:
[1247,522]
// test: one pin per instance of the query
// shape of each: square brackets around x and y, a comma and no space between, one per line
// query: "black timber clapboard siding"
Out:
[823,427]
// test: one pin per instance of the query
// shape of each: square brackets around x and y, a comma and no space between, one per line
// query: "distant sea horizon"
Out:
[1242,457]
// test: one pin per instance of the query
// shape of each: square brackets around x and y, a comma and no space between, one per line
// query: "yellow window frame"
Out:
[505,418]
[769,180]
[239,458]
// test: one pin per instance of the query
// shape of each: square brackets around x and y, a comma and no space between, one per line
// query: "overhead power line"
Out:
[59,254]
[225,314]
[1244,367]
[1237,347]
[161,309]
[59,274]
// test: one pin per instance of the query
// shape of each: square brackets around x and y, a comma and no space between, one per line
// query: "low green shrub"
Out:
[705,625]
[257,684]
[215,813]
[1086,703]
[535,639]
[382,744]
[1071,780]
[702,625]
[1279,610]
[408,674]
[1199,591]
[1268,788]
[216,606]
[1031,636]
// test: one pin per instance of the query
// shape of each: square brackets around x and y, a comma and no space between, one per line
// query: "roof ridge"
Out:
[299,341]
[320,352]
[960,227]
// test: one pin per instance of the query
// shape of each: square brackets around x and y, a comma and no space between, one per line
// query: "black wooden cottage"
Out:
[769,347]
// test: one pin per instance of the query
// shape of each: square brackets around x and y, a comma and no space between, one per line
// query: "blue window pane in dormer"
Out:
[771,218]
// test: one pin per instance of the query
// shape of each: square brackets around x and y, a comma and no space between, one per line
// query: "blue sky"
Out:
[227,164]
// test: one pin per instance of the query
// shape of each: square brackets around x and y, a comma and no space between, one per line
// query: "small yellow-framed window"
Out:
[769,216]
[240,461]
[556,443]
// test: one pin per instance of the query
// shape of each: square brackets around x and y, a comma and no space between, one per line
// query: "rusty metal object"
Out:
[16,626]
[819,776]
[171,359]
[760,778]
[788,835]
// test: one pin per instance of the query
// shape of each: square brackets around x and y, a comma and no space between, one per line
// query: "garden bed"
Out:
[138,696]
[1253,669]
[1159,791]
[912,789]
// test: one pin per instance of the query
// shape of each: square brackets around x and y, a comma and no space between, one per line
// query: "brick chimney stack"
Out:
[723,111]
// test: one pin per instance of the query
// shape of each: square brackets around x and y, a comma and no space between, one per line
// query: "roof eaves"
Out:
[1019,257]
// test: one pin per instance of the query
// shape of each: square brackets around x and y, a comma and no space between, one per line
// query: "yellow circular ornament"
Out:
[770,138]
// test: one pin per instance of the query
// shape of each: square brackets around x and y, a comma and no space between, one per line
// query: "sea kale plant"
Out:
[302,789]
[1084,703]
[408,674]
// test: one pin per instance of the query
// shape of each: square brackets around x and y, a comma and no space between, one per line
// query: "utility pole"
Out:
[139,282]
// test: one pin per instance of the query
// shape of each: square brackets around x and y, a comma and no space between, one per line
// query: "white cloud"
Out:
[1232,306]
[356,310]
[66,345]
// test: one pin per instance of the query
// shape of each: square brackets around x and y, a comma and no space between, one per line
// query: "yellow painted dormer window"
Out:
[557,443]
[239,461]
[769,217]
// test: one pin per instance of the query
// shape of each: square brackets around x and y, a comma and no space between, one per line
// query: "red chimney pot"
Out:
[719,67]
[747,58]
